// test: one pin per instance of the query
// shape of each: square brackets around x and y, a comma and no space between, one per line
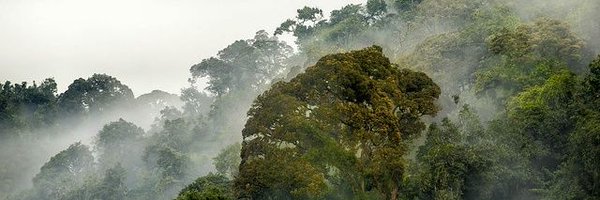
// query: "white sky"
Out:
[146,44]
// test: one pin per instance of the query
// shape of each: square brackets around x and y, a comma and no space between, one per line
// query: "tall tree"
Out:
[63,172]
[348,118]
[307,20]
[579,175]
[455,159]
[119,142]
[26,107]
[98,93]
[244,65]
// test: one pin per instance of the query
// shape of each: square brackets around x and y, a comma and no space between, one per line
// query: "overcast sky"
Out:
[147,44]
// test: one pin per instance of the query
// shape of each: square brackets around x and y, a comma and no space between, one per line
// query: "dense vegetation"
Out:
[390,99]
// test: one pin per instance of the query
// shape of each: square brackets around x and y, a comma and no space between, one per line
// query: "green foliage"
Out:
[98,93]
[579,176]
[303,26]
[111,187]
[25,107]
[167,154]
[376,8]
[158,100]
[346,28]
[228,160]
[346,23]
[347,12]
[344,129]
[545,114]
[243,65]
[349,116]
[454,58]
[171,162]
[529,55]
[209,187]
[450,170]
[405,5]
[591,86]
[196,102]
[116,134]
[117,142]
[63,172]
[455,159]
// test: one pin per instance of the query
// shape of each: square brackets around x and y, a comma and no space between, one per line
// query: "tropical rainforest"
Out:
[389,99]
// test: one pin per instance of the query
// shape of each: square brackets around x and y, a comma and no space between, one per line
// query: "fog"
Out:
[163,142]
[147,45]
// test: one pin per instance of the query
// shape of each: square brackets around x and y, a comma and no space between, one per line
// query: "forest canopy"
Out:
[388,99]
